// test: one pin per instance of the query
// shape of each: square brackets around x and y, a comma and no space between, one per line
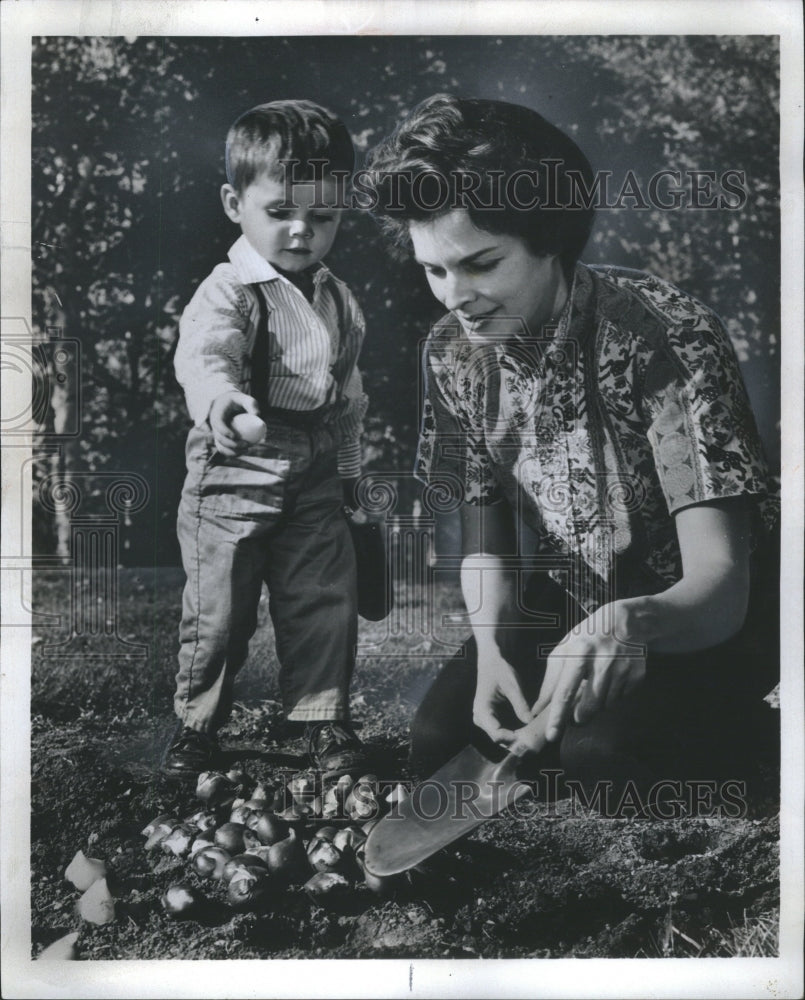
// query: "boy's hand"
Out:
[223,409]
[349,489]
[352,508]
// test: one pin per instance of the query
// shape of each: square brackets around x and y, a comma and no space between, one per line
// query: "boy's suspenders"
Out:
[261,356]
[341,318]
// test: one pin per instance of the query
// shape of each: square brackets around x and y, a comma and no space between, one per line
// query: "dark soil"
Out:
[558,882]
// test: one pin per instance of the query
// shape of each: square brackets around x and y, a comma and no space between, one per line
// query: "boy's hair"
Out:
[470,148]
[301,131]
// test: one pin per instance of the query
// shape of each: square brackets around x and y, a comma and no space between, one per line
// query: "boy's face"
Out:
[492,282]
[291,226]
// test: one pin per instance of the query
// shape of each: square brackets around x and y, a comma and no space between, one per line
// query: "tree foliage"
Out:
[128,159]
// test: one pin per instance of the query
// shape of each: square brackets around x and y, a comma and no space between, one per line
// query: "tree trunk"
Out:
[63,381]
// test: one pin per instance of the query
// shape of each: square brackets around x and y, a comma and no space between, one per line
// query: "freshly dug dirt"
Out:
[557,883]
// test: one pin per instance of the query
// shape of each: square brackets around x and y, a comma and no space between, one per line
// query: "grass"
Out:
[757,937]
[397,657]
[754,937]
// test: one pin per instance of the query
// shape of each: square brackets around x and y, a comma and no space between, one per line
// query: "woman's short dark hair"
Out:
[515,172]
[302,131]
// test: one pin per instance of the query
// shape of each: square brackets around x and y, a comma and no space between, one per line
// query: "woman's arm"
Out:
[490,589]
[704,608]
[708,605]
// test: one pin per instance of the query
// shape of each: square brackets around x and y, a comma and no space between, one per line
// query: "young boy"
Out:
[272,336]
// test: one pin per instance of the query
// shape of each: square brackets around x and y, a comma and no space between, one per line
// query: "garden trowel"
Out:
[464,793]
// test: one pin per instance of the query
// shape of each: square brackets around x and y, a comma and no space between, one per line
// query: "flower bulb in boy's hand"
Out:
[249,427]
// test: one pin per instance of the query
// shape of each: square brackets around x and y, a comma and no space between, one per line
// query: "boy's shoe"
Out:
[189,753]
[334,749]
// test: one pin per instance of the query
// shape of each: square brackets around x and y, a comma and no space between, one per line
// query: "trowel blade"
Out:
[461,795]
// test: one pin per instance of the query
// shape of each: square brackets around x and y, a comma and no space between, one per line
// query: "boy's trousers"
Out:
[273,515]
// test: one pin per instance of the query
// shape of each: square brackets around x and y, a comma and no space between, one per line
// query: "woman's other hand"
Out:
[606,652]
[497,687]
[530,738]
[592,667]
[490,584]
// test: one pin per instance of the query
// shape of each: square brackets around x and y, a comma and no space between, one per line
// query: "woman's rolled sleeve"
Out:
[702,432]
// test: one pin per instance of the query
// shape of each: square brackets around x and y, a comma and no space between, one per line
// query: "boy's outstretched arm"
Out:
[214,345]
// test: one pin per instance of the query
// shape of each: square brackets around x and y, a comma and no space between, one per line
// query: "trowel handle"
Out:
[531,737]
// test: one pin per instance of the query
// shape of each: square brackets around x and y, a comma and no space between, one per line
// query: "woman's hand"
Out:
[490,589]
[497,686]
[606,653]
[591,668]
[224,408]
[530,738]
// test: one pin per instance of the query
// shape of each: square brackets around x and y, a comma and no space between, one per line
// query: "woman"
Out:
[604,410]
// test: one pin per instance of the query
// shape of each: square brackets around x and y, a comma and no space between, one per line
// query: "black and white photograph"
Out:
[402,499]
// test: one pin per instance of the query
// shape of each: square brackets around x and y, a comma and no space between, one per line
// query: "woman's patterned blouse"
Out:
[629,410]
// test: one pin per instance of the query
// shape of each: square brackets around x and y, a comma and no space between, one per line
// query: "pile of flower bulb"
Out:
[257,842]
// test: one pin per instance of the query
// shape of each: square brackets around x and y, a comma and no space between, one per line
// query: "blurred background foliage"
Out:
[128,140]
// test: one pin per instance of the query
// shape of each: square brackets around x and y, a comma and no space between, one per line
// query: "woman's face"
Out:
[491,281]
